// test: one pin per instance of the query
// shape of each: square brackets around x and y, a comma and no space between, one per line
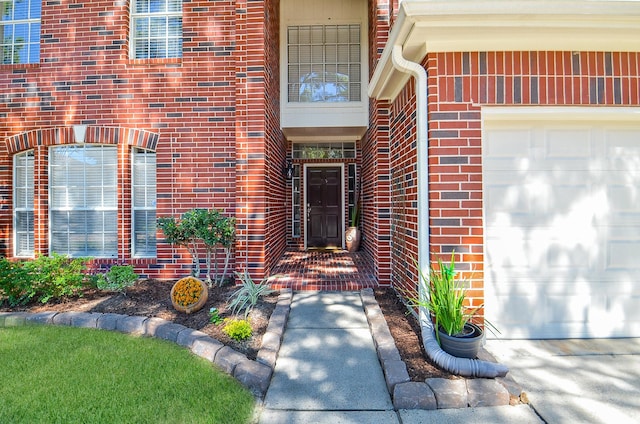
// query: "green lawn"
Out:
[52,374]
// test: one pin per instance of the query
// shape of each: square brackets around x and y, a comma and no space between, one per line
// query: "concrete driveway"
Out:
[570,381]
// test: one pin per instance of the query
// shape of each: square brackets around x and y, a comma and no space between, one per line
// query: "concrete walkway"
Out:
[328,371]
[327,368]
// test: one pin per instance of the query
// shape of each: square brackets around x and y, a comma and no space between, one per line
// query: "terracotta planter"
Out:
[462,346]
[190,307]
[353,239]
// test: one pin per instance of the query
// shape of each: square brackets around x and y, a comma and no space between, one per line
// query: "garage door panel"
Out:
[624,198]
[562,229]
[559,143]
[623,255]
[509,144]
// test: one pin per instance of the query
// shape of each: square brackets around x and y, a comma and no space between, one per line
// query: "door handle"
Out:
[308,211]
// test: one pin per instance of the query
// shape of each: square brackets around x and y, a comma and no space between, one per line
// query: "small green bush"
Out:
[14,282]
[237,329]
[42,279]
[214,316]
[118,278]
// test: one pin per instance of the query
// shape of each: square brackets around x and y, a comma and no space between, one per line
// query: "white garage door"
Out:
[562,224]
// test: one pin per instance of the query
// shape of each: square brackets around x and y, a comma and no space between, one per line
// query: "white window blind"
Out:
[83,200]
[156,27]
[20,27]
[324,63]
[23,195]
[144,203]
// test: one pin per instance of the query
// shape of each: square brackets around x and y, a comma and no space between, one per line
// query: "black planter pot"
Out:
[466,345]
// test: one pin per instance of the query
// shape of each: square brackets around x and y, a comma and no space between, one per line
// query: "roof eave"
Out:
[424,27]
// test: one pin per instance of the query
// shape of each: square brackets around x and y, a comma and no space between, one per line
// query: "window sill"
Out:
[157,61]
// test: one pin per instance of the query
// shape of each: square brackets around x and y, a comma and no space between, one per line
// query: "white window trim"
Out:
[324,62]
[28,43]
[31,237]
[114,254]
[132,29]
[153,208]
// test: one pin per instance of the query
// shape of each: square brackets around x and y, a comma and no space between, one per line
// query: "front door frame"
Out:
[342,194]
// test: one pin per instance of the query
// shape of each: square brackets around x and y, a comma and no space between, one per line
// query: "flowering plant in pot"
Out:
[445,300]
[189,294]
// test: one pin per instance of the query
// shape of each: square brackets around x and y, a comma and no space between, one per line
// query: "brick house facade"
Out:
[216,123]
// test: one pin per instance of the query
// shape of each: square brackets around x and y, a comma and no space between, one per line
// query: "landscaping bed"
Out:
[151,298]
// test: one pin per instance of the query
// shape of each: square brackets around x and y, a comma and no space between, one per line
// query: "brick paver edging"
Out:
[254,375]
[434,393]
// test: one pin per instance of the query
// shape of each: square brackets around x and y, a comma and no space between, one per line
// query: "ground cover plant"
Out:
[42,279]
[73,375]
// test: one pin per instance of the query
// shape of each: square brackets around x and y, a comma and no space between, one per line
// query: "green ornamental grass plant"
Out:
[444,297]
[247,296]
[56,374]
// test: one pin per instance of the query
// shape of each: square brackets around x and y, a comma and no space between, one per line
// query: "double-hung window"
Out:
[83,200]
[144,203]
[23,195]
[156,29]
[20,28]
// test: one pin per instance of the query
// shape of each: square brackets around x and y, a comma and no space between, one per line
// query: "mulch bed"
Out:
[151,298]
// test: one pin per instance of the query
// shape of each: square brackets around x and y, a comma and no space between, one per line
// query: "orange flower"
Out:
[187,291]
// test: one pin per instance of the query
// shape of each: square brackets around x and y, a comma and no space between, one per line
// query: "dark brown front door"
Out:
[324,207]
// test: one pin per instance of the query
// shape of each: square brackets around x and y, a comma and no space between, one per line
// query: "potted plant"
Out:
[189,294]
[455,332]
[353,232]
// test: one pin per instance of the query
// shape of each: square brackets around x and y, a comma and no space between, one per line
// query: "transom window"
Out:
[20,26]
[324,150]
[324,63]
[83,200]
[157,29]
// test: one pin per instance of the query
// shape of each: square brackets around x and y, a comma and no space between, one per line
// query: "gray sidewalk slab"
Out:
[329,417]
[520,414]
[327,310]
[327,361]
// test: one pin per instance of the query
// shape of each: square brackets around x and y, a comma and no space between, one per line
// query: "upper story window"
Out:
[324,63]
[156,29]
[20,26]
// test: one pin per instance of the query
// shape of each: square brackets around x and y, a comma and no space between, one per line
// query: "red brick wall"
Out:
[375,172]
[261,147]
[458,85]
[404,195]
[85,77]
[278,204]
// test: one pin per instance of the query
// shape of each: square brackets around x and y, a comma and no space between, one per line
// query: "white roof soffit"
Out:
[432,26]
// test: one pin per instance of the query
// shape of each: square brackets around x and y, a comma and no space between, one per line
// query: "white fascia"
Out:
[433,26]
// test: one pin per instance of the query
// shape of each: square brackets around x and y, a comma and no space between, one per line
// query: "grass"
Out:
[54,374]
